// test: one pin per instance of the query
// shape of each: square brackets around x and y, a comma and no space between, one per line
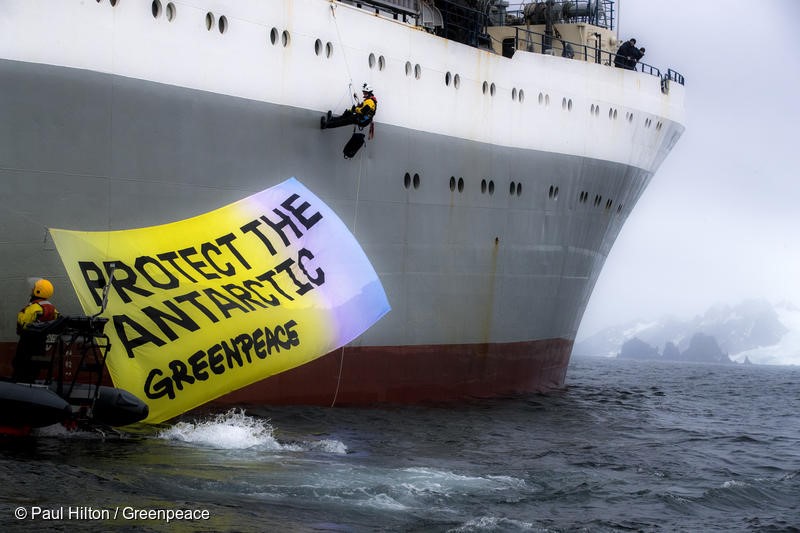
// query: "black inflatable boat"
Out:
[65,370]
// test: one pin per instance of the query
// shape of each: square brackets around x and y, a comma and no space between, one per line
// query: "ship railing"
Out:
[405,10]
[600,13]
[541,43]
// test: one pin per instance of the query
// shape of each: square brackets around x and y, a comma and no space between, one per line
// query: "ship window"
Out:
[328,49]
[223,24]
[610,112]
[285,38]
[512,188]
[456,81]
[553,192]
[317,47]
[171,12]
[615,114]
[521,96]
[608,204]
[569,104]
[452,183]
[447,78]
[491,187]
[491,89]
[407,180]
[209,20]
[597,200]
[381,63]
[541,98]
[514,94]
[408,68]
[619,208]
[563,103]
[485,87]
[113,3]
[658,126]
[483,186]
[460,184]
[519,189]
[273,35]
[416,181]
[417,71]
[155,7]
[547,100]
[371,61]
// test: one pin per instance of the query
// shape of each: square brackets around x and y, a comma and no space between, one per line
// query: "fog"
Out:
[719,222]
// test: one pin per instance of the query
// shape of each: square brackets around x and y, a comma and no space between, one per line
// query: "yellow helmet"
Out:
[42,289]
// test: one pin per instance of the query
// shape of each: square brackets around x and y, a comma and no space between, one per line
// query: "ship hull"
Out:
[488,244]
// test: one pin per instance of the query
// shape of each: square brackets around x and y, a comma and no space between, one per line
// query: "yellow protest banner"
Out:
[203,306]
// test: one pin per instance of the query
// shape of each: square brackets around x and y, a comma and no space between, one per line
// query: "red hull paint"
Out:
[405,374]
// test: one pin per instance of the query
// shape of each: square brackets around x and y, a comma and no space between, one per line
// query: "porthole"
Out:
[610,113]
[597,111]
[491,187]
[569,104]
[113,3]
[615,114]
[209,20]
[223,24]
[155,8]
[328,49]
[485,87]
[591,110]
[371,61]
[318,47]
[521,96]
[381,63]
[492,89]
[171,12]
[519,189]
[550,192]
[407,180]
[547,100]
[416,181]
[483,186]
[452,183]
[460,184]
[512,188]
[285,38]
[514,94]
[456,81]
[541,98]
[447,79]
[563,103]
[408,68]
[417,71]
[273,35]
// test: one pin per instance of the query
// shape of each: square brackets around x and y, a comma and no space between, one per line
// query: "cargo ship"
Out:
[508,151]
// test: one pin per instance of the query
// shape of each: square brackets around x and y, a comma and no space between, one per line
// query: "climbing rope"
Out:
[353,98]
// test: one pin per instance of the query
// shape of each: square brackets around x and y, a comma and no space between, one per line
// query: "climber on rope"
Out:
[360,115]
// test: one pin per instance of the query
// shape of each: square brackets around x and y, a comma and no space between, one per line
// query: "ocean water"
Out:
[627,446]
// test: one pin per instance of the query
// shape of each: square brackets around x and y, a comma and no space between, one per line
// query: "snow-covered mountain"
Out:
[753,329]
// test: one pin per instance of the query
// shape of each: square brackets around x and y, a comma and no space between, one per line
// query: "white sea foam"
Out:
[494,523]
[231,430]
[235,430]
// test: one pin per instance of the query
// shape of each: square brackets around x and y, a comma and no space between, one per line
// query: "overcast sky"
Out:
[720,222]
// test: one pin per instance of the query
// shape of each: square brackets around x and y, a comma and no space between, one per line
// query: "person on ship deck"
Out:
[361,114]
[32,322]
